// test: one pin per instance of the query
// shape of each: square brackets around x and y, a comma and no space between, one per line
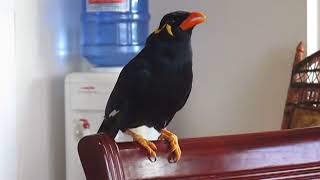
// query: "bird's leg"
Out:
[173,140]
[149,146]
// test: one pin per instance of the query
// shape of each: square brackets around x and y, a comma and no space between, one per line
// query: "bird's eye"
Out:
[171,21]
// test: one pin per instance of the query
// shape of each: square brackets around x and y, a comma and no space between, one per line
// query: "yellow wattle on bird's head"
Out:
[168,28]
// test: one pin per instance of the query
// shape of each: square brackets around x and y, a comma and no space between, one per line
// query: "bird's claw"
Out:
[149,146]
[161,137]
[175,148]
[173,141]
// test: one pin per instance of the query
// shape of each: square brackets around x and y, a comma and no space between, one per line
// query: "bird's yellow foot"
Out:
[149,146]
[173,140]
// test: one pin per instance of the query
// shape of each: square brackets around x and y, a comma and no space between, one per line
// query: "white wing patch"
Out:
[113,113]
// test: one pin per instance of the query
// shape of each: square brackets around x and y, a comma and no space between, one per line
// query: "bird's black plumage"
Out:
[156,83]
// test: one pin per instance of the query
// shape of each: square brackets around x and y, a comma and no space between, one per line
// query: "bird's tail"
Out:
[109,126]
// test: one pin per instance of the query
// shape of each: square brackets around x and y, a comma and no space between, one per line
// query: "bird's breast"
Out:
[171,75]
[172,83]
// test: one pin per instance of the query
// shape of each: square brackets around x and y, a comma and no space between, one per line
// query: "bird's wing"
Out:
[186,96]
[133,81]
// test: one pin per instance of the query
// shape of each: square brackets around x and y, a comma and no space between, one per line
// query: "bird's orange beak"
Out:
[193,19]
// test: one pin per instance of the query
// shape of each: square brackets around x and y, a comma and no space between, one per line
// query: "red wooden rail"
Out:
[287,154]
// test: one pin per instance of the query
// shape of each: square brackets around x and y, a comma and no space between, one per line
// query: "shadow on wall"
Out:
[56,128]
[42,131]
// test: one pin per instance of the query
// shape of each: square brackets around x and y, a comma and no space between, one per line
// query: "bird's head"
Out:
[179,24]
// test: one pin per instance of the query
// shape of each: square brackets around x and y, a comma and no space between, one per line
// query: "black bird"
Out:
[156,83]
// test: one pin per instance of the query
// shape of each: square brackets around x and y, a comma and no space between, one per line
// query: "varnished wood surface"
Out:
[288,154]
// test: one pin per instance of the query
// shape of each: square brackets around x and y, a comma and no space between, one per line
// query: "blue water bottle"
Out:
[113,31]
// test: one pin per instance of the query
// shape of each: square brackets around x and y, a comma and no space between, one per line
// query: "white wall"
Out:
[242,63]
[312,26]
[46,49]
[7,93]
